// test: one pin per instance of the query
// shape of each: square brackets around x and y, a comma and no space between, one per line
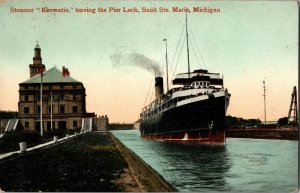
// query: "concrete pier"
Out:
[145,176]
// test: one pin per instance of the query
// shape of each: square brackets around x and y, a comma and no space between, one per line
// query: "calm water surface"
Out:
[242,165]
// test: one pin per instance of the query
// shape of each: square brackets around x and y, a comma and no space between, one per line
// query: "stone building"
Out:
[101,123]
[63,98]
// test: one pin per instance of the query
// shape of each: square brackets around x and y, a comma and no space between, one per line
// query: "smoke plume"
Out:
[136,59]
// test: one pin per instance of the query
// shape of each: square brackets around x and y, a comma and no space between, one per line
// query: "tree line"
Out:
[8,114]
[240,122]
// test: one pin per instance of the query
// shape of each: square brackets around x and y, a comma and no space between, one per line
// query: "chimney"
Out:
[65,72]
[159,87]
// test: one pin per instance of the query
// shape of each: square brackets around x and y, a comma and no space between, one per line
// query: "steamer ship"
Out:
[192,112]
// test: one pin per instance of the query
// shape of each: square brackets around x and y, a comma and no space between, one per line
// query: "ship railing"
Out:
[154,103]
[158,103]
[186,76]
[162,106]
[159,107]
[169,104]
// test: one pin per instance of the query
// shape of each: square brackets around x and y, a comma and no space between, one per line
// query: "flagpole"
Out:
[41,104]
[51,110]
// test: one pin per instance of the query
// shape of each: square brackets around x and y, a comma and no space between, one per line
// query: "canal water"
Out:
[243,165]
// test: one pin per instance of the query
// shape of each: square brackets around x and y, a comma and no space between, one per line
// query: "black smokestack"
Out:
[159,87]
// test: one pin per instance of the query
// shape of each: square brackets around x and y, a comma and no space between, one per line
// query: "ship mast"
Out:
[187,45]
[167,63]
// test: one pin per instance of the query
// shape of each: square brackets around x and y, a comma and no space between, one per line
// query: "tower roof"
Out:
[53,75]
[37,46]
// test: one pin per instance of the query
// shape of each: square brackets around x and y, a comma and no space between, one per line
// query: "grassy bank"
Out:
[10,141]
[88,162]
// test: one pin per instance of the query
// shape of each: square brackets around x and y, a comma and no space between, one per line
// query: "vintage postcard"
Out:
[146,95]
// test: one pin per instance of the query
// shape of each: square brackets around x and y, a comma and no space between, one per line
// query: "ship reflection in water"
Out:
[242,165]
[195,167]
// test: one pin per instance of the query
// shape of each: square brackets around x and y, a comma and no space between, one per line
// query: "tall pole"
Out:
[41,105]
[51,110]
[187,45]
[265,111]
[167,64]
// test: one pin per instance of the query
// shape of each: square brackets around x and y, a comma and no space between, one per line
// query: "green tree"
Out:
[283,121]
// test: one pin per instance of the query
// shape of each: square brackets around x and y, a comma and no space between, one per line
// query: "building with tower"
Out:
[37,62]
[63,99]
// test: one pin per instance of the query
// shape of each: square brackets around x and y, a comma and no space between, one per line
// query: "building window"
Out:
[74,109]
[38,109]
[74,86]
[26,98]
[26,124]
[74,123]
[26,110]
[62,97]
[36,98]
[49,109]
[26,87]
[50,87]
[61,86]
[62,109]
[74,97]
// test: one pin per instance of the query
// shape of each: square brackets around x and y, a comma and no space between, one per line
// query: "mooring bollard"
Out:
[23,146]
[68,135]
[55,139]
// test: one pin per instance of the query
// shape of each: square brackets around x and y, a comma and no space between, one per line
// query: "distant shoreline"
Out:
[264,133]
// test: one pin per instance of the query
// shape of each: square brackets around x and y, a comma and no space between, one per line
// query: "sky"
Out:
[247,42]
